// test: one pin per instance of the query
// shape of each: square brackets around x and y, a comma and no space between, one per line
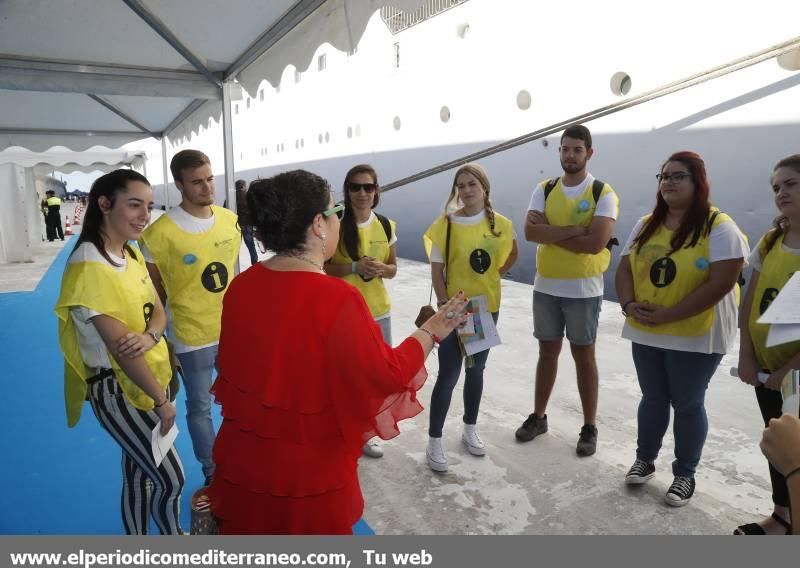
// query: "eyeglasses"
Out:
[677,177]
[368,187]
[337,210]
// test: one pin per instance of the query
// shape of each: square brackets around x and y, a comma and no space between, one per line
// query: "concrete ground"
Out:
[542,487]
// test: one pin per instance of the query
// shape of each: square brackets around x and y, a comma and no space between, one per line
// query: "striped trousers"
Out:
[146,489]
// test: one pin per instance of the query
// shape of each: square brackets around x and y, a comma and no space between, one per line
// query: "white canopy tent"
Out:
[88,73]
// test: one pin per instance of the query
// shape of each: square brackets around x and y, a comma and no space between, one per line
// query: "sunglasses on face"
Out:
[337,209]
[368,187]
[677,177]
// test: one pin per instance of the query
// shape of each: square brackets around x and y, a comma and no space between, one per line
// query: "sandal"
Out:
[756,529]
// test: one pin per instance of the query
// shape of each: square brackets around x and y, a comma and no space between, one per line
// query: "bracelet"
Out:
[352,268]
[441,303]
[156,336]
[435,338]
[162,403]
[791,473]
[625,305]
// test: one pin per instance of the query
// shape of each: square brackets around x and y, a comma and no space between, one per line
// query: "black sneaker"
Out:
[640,472]
[680,491]
[532,427]
[587,441]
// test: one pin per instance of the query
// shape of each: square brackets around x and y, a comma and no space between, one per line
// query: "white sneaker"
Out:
[372,449]
[473,442]
[437,461]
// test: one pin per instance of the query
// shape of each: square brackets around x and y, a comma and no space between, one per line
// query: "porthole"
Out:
[397,123]
[620,83]
[444,114]
[523,100]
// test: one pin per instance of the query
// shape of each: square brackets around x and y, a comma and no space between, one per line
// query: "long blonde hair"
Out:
[477,171]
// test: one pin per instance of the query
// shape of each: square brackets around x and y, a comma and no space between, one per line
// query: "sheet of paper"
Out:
[762,377]
[789,392]
[162,444]
[785,308]
[486,335]
[780,333]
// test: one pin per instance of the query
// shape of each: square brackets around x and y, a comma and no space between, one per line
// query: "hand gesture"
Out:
[781,443]
[132,345]
[451,315]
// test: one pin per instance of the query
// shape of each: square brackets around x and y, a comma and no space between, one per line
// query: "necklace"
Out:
[317,265]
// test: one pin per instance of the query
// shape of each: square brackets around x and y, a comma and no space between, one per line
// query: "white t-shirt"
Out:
[190,224]
[592,286]
[437,255]
[726,242]
[93,349]
[757,262]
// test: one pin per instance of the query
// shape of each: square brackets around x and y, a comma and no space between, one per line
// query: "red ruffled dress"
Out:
[305,379]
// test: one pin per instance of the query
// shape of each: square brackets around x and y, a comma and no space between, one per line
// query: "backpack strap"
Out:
[597,189]
[550,186]
[711,219]
[387,226]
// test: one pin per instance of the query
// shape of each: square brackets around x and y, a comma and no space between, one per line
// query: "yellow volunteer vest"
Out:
[127,296]
[666,280]
[553,261]
[476,255]
[372,242]
[196,269]
[777,267]
[53,202]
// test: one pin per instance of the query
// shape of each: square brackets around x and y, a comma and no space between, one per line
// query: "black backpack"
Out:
[597,189]
[387,227]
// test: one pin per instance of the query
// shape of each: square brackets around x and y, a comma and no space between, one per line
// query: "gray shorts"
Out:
[552,314]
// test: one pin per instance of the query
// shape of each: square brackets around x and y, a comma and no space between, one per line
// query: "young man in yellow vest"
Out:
[572,219]
[191,253]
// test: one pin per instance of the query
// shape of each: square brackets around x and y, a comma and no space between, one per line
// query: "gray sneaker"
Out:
[532,427]
[587,441]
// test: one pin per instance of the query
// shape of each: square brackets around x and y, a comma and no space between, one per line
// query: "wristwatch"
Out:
[625,305]
[156,336]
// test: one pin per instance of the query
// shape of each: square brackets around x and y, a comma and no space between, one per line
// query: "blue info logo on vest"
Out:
[189,258]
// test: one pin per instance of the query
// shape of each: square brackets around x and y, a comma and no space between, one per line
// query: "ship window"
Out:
[396,60]
[396,123]
[349,131]
[444,114]
[620,83]
[321,62]
[790,60]
[523,100]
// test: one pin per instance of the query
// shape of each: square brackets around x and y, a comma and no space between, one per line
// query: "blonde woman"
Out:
[477,246]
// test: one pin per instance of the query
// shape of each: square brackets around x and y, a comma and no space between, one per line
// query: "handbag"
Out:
[428,311]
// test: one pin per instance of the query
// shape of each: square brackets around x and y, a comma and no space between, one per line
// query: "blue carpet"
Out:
[58,480]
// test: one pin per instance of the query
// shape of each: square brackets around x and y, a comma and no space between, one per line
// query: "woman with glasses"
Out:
[676,284]
[470,247]
[774,259]
[110,326]
[367,253]
[305,376]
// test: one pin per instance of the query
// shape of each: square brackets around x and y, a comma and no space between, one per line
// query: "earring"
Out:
[324,251]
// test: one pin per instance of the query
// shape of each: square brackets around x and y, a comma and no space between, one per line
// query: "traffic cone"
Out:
[77,221]
[68,230]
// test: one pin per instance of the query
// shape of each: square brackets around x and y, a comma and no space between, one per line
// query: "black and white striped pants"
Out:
[146,489]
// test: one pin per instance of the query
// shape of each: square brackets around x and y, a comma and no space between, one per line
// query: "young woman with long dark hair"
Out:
[676,285]
[110,326]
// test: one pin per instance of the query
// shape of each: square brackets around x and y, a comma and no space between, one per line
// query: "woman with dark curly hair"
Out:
[305,376]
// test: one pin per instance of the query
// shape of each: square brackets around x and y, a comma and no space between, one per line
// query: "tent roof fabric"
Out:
[83,73]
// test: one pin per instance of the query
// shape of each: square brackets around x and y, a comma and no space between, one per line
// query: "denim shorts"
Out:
[552,314]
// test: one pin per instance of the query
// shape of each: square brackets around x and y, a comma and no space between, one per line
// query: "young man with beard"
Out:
[191,253]
[572,219]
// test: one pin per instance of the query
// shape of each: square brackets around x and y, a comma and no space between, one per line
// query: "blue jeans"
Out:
[247,235]
[386,329]
[449,370]
[198,367]
[678,379]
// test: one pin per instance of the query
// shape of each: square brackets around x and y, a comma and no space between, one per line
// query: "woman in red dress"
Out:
[305,377]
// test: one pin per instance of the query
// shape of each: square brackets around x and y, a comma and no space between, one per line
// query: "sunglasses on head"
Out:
[368,187]
[337,209]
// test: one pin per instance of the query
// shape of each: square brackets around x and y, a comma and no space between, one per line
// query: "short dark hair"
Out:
[240,184]
[49,192]
[282,207]
[186,159]
[578,132]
